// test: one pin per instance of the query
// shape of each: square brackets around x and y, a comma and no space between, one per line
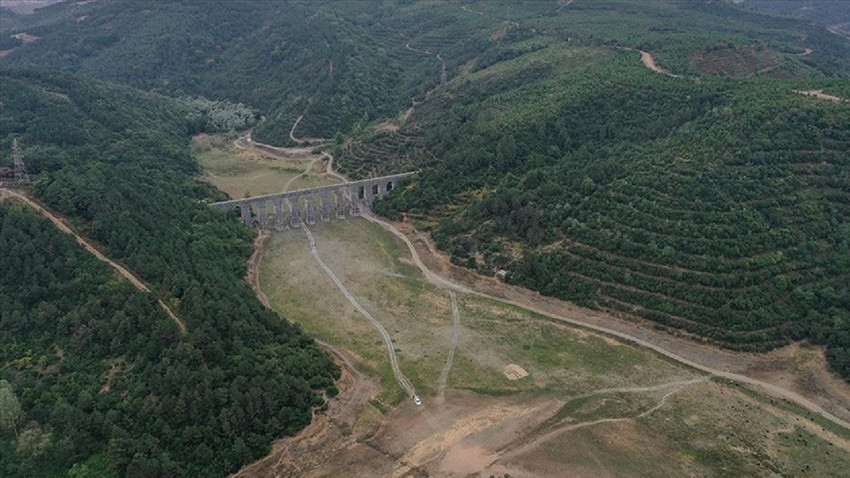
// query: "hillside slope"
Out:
[711,199]
[716,207]
[350,63]
[112,385]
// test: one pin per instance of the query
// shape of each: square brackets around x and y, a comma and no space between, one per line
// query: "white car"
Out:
[416,400]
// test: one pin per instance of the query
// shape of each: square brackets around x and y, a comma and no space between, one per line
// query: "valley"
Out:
[608,238]
[583,388]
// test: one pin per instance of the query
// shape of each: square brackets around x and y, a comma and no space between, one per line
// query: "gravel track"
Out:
[444,374]
[766,387]
[397,373]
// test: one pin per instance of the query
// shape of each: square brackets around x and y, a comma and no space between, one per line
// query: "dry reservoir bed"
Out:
[589,406]
[523,395]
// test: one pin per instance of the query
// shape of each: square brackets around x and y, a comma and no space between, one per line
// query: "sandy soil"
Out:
[649,62]
[26,37]
[513,371]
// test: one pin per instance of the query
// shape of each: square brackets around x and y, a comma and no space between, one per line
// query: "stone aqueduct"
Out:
[284,210]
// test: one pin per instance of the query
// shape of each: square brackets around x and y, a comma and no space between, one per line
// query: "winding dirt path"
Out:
[63,226]
[676,387]
[444,373]
[252,275]
[564,5]
[646,341]
[295,125]
[388,341]
[303,174]
[768,388]
[298,121]
[330,169]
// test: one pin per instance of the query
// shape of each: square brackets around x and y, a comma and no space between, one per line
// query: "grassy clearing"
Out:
[246,172]
[418,317]
[705,429]
[558,357]
[740,436]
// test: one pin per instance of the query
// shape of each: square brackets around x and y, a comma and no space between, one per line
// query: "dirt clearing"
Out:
[514,372]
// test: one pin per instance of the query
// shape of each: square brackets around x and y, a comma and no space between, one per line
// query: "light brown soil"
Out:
[63,226]
[649,62]
[254,267]
[464,433]
[514,372]
[820,94]
[329,431]
[26,37]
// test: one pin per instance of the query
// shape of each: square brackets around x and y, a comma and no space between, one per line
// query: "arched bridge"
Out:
[283,210]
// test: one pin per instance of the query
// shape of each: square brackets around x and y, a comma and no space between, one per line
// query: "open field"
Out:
[248,171]
[591,405]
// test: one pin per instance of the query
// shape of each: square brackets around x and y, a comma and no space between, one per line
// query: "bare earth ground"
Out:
[590,406]
[820,94]
[649,62]
[631,402]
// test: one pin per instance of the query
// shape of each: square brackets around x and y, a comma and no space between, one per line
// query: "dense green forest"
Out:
[350,63]
[115,160]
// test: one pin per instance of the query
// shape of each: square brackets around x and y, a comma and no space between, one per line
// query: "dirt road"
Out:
[769,388]
[820,94]
[397,373]
[444,373]
[526,446]
[61,224]
[404,441]
[646,340]
[295,125]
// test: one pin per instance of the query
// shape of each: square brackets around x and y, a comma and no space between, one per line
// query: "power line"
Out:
[21,175]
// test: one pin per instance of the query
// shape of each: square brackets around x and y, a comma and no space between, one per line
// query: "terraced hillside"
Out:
[708,196]
[716,208]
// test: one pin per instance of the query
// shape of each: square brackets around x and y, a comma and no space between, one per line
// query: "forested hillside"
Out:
[716,207]
[350,63]
[104,380]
